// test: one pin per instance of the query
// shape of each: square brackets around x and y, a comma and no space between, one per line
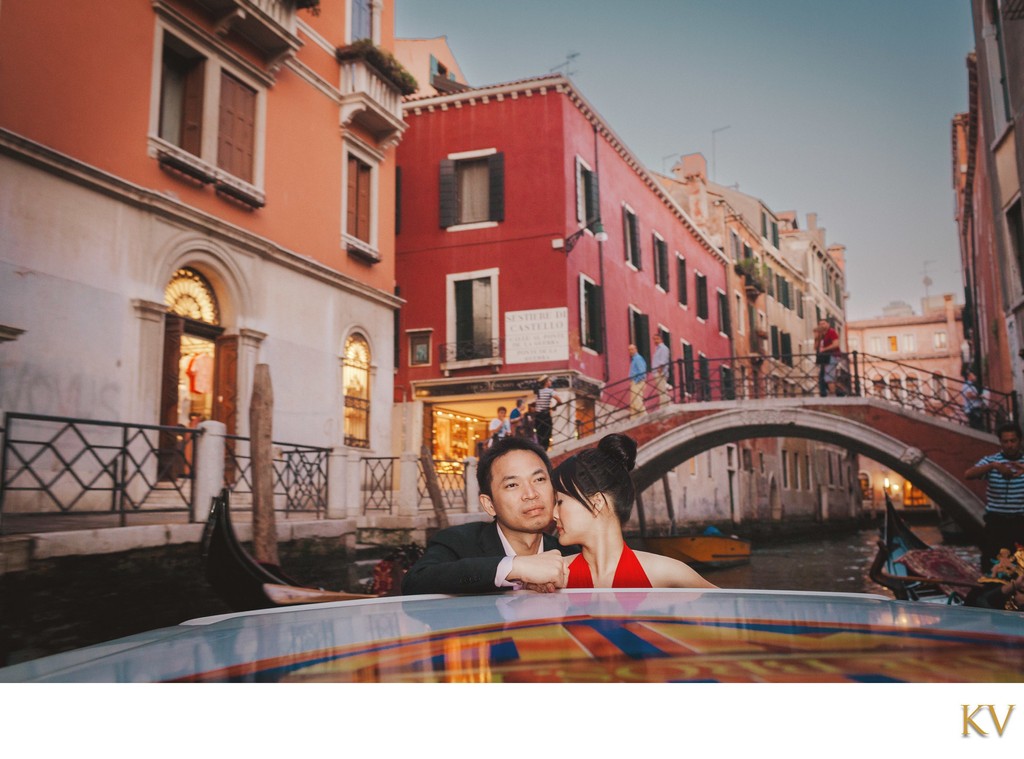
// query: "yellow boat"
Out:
[715,551]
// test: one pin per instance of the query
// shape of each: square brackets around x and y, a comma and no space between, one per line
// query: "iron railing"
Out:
[300,475]
[378,483]
[451,477]
[67,466]
[797,376]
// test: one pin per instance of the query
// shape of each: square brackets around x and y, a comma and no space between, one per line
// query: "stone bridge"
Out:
[931,452]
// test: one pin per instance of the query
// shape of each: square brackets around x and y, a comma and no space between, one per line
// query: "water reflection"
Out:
[833,563]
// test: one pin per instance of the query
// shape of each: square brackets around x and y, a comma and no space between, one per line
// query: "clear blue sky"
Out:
[833,107]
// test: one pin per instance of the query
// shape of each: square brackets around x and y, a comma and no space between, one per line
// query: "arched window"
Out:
[188,294]
[356,381]
[866,492]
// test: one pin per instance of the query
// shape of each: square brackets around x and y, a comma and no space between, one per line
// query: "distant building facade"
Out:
[782,281]
[908,359]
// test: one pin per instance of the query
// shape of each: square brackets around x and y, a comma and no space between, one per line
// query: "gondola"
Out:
[916,571]
[241,581]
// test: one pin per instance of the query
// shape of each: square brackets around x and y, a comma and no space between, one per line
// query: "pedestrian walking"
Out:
[637,381]
[659,368]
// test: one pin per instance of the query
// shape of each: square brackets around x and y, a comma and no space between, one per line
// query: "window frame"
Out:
[354,149]
[661,275]
[451,317]
[682,287]
[591,336]
[450,214]
[204,165]
[700,286]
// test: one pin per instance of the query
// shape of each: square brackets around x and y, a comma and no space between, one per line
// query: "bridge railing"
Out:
[798,375]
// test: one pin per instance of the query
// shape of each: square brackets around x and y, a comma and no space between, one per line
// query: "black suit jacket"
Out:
[463,559]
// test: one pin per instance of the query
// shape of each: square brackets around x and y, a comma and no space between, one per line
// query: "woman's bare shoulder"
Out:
[665,572]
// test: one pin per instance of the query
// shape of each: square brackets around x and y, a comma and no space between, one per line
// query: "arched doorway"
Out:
[200,365]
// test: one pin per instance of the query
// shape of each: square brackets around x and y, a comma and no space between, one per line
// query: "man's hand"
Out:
[543,572]
[1009,469]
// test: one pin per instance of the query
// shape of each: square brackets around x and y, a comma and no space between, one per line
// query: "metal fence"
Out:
[300,475]
[64,473]
[59,465]
[378,483]
[451,476]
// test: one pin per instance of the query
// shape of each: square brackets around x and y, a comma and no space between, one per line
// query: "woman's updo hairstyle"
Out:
[604,469]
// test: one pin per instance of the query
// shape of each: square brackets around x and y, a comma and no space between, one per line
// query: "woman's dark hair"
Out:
[604,469]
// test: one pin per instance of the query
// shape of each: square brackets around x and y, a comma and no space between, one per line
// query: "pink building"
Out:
[532,241]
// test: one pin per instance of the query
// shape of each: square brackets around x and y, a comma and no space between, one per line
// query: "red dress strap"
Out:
[629,573]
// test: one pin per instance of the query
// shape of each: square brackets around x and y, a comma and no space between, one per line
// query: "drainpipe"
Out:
[600,264]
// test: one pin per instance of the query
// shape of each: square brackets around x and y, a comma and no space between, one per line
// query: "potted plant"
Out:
[381,61]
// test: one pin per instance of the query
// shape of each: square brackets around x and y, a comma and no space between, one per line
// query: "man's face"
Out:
[522,498]
[1009,443]
[823,325]
[632,350]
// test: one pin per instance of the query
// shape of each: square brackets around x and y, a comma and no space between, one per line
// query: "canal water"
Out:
[832,563]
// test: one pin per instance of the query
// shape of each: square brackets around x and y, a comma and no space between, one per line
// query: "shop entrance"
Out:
[200,369]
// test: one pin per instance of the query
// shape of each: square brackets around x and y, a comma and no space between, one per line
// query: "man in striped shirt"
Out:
[1004,495]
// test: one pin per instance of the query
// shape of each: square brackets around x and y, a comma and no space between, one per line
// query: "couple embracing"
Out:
[589,497]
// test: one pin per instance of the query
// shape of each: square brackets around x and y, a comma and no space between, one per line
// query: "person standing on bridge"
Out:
[659,368]
[974,402]
[1004,495]
[828,352]
[637,381]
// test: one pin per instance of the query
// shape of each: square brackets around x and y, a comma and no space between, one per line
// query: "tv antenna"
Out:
[927,281]
[714,175]
[566,64]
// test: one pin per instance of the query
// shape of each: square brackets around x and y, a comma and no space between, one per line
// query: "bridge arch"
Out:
[674,446]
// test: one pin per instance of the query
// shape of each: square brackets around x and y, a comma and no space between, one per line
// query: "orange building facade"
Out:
[192,187]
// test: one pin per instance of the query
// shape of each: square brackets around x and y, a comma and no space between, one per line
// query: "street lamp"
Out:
[594,226]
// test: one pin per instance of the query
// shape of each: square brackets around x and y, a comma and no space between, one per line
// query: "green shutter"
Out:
[496,166]
[593,202]
[449,195]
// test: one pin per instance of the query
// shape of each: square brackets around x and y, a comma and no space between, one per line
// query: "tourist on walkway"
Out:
[514,477]
[974,402]
[660,368]
[828,353]
[1004,495]
[637,381]
[593,500]
[546,402]
[515,419]
[499,427]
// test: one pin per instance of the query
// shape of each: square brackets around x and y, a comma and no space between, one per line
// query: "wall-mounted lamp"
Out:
[594,226]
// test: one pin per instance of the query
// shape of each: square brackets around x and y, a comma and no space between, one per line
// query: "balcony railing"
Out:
[369,100]
[268,24]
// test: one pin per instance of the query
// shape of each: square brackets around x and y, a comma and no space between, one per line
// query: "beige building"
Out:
[909,359]
[782,280]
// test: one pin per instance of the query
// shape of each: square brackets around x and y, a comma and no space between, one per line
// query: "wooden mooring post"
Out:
[261,414]
[433,486]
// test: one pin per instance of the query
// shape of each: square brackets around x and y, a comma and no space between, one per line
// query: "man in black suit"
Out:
[514,476]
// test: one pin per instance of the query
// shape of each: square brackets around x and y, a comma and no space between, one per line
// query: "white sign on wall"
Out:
[538,335]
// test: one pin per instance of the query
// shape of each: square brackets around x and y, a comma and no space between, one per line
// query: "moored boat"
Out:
[715,550]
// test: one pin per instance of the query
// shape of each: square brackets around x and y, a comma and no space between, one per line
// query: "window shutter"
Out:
[643,337]
[496,167]
[463,312]
[237,133]
[363,189]
[634,235]
[684,296]
[775,342]
[596,323]
[352,193]
[449,196]
[593,209]
[398,204]
[192,109]
[626,237]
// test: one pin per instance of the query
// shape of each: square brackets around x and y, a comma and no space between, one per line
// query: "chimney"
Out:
[812,221]
[691,165]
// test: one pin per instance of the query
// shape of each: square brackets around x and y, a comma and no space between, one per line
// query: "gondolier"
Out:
[1004,496]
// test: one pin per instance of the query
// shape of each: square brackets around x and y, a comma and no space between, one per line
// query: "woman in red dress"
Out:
[594,496]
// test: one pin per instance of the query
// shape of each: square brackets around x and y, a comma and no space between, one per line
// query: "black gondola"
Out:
[900,549]
[236,576]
